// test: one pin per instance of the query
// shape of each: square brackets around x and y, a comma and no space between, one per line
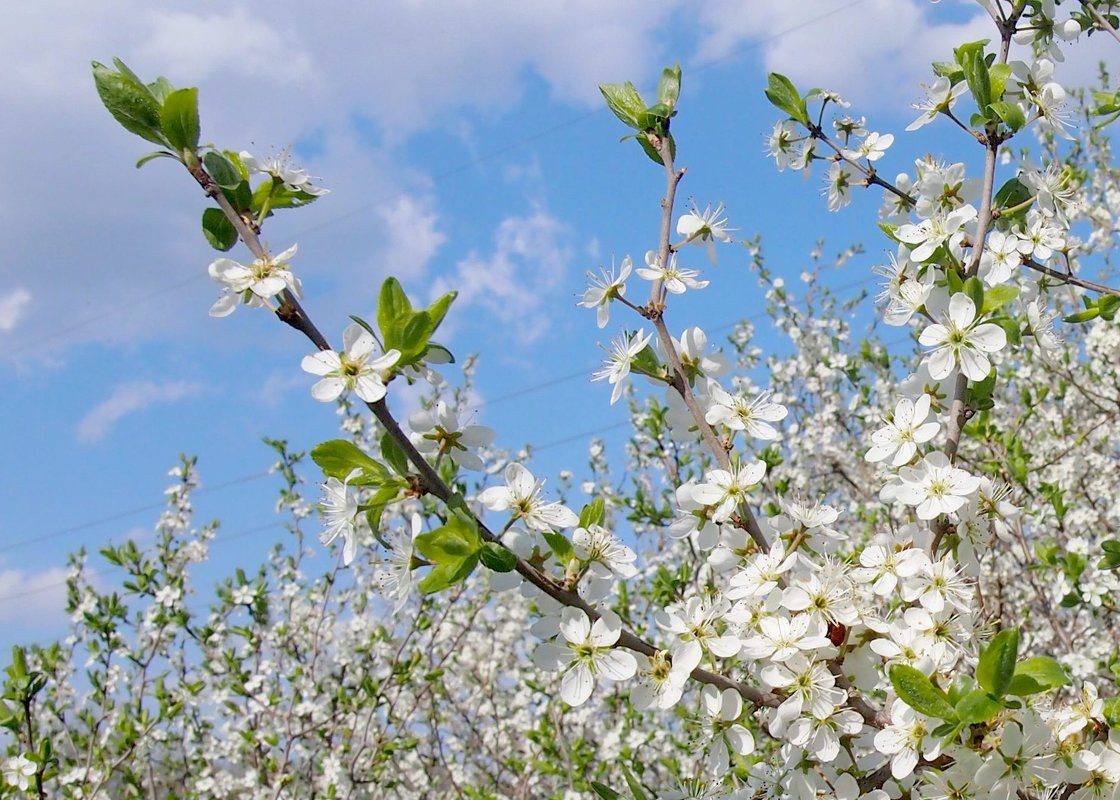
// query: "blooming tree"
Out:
[880,574]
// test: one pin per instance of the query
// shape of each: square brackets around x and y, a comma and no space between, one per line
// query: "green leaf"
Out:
[918,692]
[444,576]
[977,706]
[624,101]
[974,288]
[1083,316]
[453,550]
[413,337]
[997,76]
[647,363]
[339,457]
[1108,306]
[970,56]
[781,92]
[240,196]
[394,455]
[649,149]
[560,546]
[669,87]
[497,558]
[606,792]
[1038,674]
[217,228]
[160,88]
[1111,546]
[179,118]
[1010,327]
[1013,192]
[392,304]
[124,70]
[953,278]
[961,685]
[1011,114]
[438,310]
[997,662]
[632,782]
[144,159]
[455,540]
[1112,711]
[656,118]
[947,69]
[592,513]
[996,297]
[222,171]
[130,103]
[438,354]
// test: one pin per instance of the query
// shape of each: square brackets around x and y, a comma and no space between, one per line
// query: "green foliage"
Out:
[131,103]
[1038,674]
[404,329]
[971,59]
[1013,194]
[453,551]
[1111,558]
[1108,106]
[918,692]
[1104,307]
[997,662]
[977,706]
[650,122]
[339,458]
[783,94]
[592,513]
[179,119]
[218,230]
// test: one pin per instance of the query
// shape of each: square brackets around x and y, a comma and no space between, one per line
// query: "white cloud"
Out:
[411,236]
[39,596]
[354,84]
[516,282]
[12,306]
[874,52]
[234,44]
[128,398]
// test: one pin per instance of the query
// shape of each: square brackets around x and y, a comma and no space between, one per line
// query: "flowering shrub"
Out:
[880,575]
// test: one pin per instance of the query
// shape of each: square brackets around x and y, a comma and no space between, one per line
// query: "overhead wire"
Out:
[520,392]
[95,572]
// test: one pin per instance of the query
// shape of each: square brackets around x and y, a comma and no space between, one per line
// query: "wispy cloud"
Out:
[514,283]
[873,52]
[412,236]
[315,78]
[128,398]
[39,596]
[12,306]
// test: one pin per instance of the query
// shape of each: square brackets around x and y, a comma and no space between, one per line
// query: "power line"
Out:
[521,392]
[95,572]
[546,446]
[126,513]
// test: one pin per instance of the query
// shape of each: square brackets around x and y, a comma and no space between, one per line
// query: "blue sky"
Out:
[464,145]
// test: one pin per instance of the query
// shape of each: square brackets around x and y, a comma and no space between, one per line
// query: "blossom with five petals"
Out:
[606,289]
[959,340]
[705,228]
[521,496]
[351,369]
[253,284]
[590,651]
[906,430]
